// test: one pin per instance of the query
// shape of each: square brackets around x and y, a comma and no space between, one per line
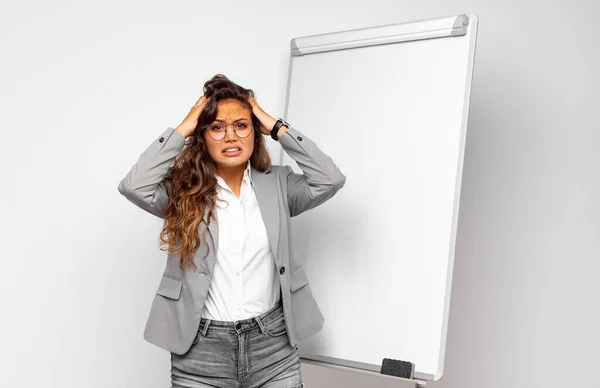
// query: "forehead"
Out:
[231,109]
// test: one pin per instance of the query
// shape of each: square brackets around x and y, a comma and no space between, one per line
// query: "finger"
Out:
[201,100]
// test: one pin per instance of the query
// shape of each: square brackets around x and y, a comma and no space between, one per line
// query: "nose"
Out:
[230,134]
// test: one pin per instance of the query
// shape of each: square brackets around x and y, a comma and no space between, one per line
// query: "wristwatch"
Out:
[276,127]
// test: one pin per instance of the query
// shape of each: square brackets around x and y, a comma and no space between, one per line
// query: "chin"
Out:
[233,162]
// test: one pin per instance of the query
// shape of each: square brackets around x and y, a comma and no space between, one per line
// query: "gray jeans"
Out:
[250,353]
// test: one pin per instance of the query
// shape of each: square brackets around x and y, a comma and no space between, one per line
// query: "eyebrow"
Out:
[235,121]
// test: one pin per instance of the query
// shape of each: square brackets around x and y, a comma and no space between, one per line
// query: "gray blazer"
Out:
[281,194]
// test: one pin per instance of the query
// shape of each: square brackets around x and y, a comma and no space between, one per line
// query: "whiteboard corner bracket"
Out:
[294,50]
[460,25]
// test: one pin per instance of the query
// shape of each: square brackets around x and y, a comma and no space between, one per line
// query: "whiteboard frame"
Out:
[465,25]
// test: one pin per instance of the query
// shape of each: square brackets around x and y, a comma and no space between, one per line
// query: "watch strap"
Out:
[276,127]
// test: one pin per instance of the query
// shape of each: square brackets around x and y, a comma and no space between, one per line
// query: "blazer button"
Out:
[161,139]
[282,270]
[300,138]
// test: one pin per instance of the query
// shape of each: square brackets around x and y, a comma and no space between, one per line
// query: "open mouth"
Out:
[232,151]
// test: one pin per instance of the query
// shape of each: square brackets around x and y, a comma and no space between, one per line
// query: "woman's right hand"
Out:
[188,125]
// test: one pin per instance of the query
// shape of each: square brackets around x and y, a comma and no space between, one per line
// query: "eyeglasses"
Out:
[241,128]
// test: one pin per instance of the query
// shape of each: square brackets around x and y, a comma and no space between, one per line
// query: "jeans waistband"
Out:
[245,324]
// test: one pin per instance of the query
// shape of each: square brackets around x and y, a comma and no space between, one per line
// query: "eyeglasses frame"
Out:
[227,128]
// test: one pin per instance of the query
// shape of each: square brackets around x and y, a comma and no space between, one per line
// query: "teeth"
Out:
[232,149]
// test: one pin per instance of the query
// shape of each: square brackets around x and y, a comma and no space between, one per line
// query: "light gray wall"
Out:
[84,88]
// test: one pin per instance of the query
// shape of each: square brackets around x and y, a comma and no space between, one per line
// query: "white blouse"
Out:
[245,282]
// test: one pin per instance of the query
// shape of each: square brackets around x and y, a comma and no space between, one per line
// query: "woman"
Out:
[234,300]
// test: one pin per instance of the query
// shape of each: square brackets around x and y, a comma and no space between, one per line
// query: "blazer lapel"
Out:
[265,188]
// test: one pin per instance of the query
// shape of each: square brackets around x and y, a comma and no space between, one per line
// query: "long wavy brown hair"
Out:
[191,182]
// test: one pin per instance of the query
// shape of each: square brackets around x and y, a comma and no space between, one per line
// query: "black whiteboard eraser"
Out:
[397,368]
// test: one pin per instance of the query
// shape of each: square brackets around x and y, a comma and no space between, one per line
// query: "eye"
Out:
[242,125]
[215,128]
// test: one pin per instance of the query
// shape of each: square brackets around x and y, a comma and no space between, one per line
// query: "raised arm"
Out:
[321,178]
[143,185]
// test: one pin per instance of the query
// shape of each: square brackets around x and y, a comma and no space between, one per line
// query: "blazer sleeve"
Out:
[321,178]
[143,185]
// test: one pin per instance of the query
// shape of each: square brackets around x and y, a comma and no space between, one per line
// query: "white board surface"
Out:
[379,254]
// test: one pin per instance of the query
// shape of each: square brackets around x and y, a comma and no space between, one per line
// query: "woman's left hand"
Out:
[266,121]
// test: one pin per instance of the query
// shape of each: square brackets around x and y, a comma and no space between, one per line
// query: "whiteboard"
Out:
[389,104]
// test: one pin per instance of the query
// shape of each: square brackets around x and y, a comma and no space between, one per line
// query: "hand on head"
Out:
[189,124]
[265,120]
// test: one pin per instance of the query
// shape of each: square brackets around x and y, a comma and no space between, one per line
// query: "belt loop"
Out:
[205,329]
[261,325]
